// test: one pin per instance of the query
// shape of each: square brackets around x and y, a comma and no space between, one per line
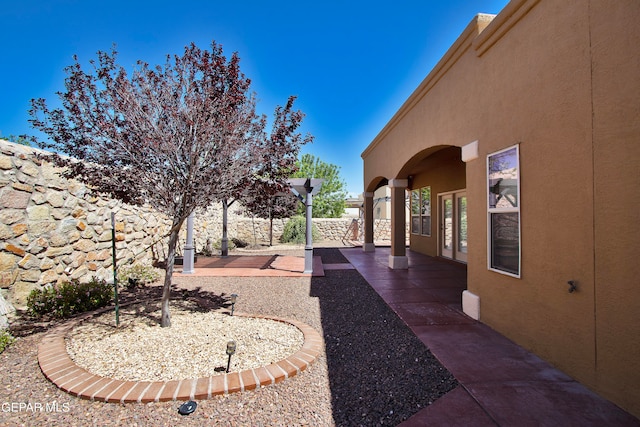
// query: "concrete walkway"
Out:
[501,384]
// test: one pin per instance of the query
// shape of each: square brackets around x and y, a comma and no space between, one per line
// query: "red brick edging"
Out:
[58,367]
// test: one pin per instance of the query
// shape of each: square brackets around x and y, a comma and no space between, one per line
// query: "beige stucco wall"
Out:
[561,80]
[615,35]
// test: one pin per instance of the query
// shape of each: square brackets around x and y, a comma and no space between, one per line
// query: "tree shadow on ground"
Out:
[380,373]
[140,301]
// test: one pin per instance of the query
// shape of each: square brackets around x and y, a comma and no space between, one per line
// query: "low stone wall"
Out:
[257,230]
[52,229]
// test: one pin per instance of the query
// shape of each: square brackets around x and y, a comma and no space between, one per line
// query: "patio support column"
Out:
[368,245]
[224,243]
[309,187]
[308,248]
[189,249]
[398,258]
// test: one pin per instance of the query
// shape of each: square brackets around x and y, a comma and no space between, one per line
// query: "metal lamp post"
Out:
[309,187]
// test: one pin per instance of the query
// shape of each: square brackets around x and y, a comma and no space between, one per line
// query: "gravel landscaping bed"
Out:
[193,347]
[374,371]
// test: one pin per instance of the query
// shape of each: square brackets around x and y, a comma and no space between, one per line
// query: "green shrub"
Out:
[5,339]
[295,231]
[69,298]
[239,243]
[137,274]
[230,244]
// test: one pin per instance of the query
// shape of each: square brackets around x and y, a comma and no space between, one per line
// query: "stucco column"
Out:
[368,245]
[398,258]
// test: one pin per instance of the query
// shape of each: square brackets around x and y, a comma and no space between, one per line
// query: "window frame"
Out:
[418,210]
[494,211]
[415,211]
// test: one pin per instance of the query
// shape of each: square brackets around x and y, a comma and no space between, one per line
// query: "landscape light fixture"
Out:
[233,302]
[231,349]
[187,407]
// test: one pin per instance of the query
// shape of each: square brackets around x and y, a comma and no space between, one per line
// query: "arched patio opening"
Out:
[436,184]
[369,215]
[433,181]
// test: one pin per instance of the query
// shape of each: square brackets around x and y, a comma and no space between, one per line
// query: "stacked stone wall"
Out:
[53,229]
[208,229]
[257,230]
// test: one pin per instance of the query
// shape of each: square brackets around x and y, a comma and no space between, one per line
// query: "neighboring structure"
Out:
[352,207]
[520,152]
[382,203]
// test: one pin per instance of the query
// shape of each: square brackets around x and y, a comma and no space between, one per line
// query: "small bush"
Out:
[239,243]
[295,231]
[69,298]
[137,274]
[230,244]
[5,339]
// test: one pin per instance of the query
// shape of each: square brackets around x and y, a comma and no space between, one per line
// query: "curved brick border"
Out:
[58,367]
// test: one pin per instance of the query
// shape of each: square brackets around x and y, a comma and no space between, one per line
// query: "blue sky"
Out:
[351,64]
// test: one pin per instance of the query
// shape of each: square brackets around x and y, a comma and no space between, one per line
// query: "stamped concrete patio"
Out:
[501,383]
[254,266]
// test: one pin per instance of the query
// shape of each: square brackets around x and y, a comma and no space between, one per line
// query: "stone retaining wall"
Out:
[252,230]
[53,229]
[208,228]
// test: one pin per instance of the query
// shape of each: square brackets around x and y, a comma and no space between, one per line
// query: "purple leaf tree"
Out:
[267,195]
[178,136]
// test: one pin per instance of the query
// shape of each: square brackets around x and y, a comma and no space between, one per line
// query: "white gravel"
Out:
[193,347]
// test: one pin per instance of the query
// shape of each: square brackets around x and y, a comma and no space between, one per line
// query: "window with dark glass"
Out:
[421,211]
[503,191]
[415,211]
[425,211]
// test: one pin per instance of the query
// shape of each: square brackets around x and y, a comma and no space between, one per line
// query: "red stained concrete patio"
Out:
[501,384]
[254,266]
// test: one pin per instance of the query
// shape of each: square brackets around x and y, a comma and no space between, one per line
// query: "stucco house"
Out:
[520,152]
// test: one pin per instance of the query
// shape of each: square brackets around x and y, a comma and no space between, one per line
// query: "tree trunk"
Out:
[166,290]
